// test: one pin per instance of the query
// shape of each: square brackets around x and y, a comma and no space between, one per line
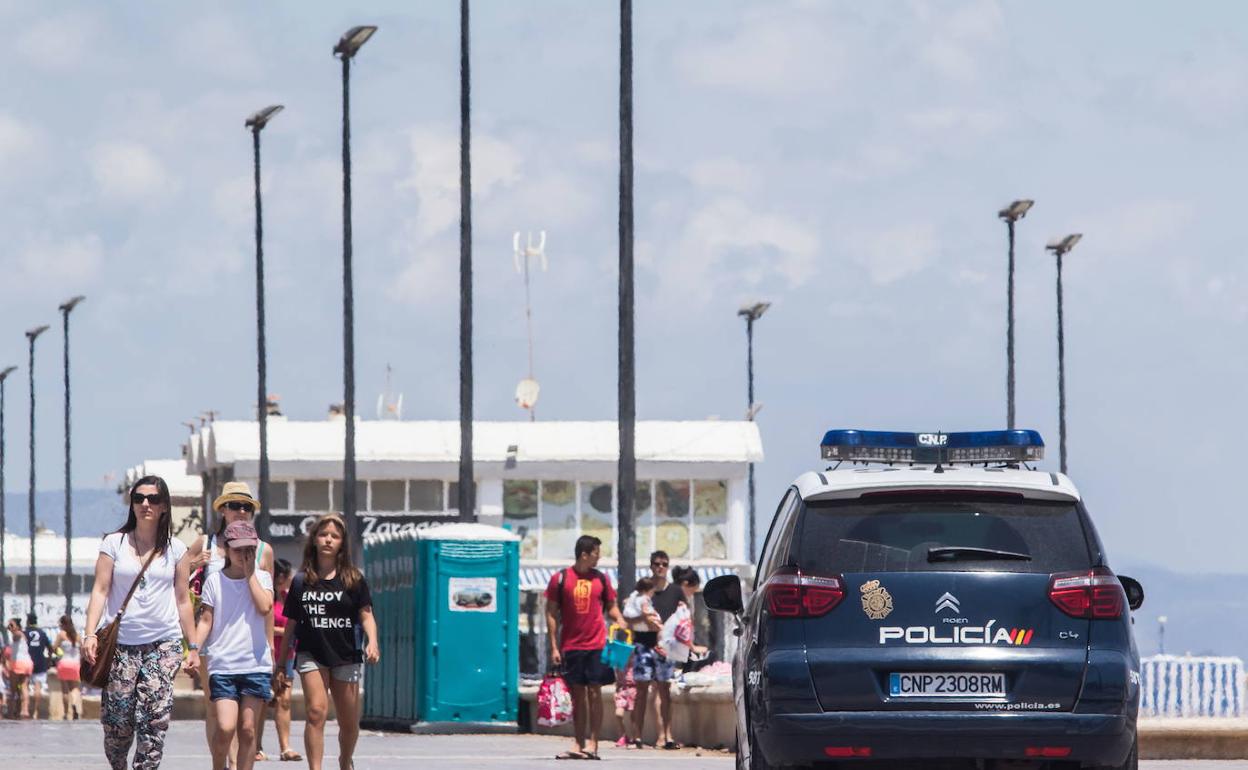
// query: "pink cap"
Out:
[240,534]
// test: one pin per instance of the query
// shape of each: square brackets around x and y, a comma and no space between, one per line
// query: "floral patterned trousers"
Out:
[138,702]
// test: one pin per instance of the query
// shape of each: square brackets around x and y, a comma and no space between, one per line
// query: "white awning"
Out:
[537,578]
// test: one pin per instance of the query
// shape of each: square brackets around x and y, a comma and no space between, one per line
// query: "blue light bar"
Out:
[988,446]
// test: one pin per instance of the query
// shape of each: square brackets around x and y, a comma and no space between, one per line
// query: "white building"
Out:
[547,481]
[49,576]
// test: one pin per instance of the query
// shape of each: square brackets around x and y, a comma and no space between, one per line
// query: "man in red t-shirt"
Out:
[576,599]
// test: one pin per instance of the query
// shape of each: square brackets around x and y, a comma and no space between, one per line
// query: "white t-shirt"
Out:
[152,615]
[239,641]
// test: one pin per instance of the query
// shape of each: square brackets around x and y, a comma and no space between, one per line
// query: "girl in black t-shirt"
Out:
[326,605]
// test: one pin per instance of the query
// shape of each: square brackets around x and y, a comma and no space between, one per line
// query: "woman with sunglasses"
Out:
[326,609]
[208,557]
[138,701]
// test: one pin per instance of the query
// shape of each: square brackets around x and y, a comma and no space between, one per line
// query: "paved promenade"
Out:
[49,745]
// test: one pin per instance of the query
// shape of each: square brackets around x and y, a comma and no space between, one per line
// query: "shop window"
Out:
[312,495]
[425,495]
[49,584]
[452,495]
[520,502]
[710,519]
[671,531]
[387,496]
[560,526]
[598,514]
[278,496]
[643,518]
[361,496]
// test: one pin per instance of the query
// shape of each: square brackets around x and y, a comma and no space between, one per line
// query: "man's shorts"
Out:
[585,667]
[348,672]
[40,679]
[239,686]
[649,666]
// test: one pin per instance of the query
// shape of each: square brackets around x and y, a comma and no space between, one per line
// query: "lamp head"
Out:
[1063,245]
[31,334]
[6,372]
[353,40]
[261,119]
[70,304]
[1016,210]
[753,311]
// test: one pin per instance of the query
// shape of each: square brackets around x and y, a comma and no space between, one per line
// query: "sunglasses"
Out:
[137,498]
[235,505]
[657,564]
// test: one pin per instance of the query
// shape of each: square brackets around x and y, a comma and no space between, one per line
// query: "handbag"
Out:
[96,674]
[554,701]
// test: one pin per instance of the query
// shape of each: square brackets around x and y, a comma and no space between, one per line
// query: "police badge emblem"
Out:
[876,601]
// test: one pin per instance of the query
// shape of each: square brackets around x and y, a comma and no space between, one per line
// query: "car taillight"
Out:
[794,595]
[1095,594]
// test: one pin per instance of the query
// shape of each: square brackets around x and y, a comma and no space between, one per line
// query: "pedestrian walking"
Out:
[577,597]
[68,666]
[137,702]
[20,667]
[40,649]
[327,610]
[283,574]
[651,670]
[208,556]
[233,629]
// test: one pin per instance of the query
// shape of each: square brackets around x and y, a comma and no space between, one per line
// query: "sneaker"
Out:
[622,742]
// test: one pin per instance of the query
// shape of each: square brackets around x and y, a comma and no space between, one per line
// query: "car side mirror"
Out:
[724,594]
[1135,591]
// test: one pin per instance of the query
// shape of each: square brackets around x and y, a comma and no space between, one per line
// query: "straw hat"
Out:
[235,490]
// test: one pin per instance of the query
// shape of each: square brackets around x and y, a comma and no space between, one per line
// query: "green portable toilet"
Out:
[447,599]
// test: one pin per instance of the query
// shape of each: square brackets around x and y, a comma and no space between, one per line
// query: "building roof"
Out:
[853,481]
[181,483]
[228,442]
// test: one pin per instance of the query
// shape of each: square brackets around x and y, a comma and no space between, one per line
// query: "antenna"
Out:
[528,389]
[387,406]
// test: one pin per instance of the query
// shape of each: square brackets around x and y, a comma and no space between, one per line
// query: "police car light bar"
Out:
[989,446]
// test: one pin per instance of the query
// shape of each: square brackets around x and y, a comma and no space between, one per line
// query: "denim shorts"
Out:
[239,686]
[347,672]
[649,666]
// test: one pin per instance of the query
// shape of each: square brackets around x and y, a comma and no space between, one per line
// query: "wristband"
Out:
[192,647]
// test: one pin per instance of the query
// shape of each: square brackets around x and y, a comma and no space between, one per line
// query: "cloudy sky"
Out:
[844,160]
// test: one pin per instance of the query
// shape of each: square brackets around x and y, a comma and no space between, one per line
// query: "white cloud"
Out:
[892,254]
[435,174]
[1209,87]
[956,41]
[726,174]
[68,261]
[59,43]
[129,171]
[975,123]
[1138,226]
[727,242]
[17,141]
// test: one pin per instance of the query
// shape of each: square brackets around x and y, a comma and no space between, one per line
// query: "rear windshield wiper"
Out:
[955,552]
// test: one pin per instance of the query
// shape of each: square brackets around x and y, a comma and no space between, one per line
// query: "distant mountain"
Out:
[1206,614]
[95,511]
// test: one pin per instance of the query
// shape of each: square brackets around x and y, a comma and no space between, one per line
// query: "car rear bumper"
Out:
[1101,739]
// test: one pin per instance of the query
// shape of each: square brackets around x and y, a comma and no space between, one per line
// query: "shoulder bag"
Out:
[96,674]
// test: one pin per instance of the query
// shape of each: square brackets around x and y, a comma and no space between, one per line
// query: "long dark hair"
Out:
[67,625]
[345,568]
[164,527]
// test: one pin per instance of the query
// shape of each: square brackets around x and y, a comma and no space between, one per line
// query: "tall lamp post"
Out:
[1011,214]
[1161,634]
[751,313]
[627,481]
[4,575]
[65,309]
[256,124]
[467,503]
[1061,247]
[346,49]
[31,336]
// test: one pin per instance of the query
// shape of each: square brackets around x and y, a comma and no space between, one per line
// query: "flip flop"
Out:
[290,755]
[572,755]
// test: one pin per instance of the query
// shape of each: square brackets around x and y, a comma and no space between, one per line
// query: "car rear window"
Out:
[897,532]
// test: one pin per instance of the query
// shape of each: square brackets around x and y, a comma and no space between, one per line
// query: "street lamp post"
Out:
[4,575]
[1011,214]
[627,479]
[1061,247]
[31,336]
[467,503]
[346,49]
[65,309]
[256,124]
[1161,634]
[751,313]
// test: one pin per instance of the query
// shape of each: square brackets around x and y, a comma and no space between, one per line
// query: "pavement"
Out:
[77,745]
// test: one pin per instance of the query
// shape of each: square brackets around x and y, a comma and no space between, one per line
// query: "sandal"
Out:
[290,755]
[572,755]
[671,745]
[261,756]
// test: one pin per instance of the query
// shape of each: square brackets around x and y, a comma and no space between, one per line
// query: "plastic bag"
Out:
[554,702]
[676,638]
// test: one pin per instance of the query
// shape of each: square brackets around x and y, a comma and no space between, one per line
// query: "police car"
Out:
[930,597]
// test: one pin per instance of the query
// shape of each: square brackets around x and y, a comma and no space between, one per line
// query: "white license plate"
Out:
[955,684]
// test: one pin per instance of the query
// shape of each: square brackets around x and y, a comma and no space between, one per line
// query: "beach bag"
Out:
[96,674]
[554,702]
[676,638]
[616,653]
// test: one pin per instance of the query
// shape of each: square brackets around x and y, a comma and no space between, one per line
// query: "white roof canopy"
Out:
[181,484]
